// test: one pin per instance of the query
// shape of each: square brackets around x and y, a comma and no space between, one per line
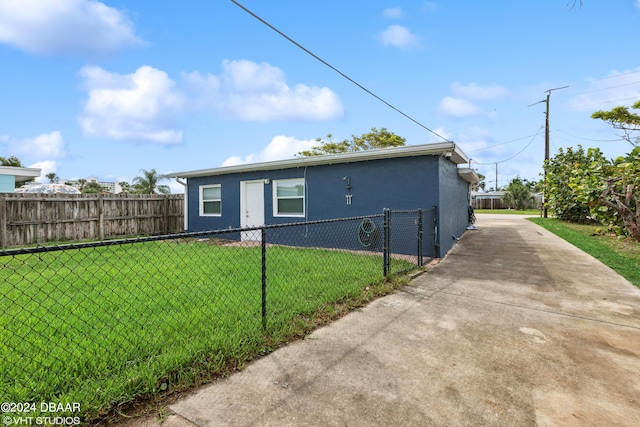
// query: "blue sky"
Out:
[106,88]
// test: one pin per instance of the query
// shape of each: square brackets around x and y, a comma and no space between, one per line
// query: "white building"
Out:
[109,186]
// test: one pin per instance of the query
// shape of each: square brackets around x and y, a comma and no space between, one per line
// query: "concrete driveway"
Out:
[515,327]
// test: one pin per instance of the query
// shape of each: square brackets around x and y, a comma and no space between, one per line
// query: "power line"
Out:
[605,78]
[606,102]
[337,71]
[518,153]
[588,139]
[607,88]
[499,144]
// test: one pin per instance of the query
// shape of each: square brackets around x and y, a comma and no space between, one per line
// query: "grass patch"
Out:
[622,255]
[111,325]
[508,211]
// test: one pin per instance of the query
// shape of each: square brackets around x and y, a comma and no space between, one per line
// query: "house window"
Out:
[288,197]
[211,200]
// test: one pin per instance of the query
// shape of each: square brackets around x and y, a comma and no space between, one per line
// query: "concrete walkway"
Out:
[515,327]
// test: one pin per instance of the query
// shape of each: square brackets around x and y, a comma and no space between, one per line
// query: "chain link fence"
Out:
[100,324]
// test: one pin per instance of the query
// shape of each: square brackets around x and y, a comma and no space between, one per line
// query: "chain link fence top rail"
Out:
[102,323]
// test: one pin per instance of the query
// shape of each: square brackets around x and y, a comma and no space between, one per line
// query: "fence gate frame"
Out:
[420,224]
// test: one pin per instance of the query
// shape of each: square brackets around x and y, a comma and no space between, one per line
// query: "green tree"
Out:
[480,185]
[611,189]
[517,194]
[92,188]
[621,118]
[367,141]
[125,186]
[81,183]
[534,186]
[10,161]
[622,192]
[148,183]
[52,177]
[562,200]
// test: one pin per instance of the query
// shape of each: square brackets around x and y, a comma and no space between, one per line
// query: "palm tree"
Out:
[125,186]
[52,177]
[148,183]
[81,183]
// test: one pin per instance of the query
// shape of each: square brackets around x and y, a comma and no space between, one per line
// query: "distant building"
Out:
[109,186]
[488,200]
[495,200]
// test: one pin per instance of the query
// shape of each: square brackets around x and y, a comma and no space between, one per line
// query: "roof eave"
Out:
[469,175]
[20,174]
[449,149]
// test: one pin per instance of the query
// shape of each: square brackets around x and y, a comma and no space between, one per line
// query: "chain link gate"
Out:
[409,236]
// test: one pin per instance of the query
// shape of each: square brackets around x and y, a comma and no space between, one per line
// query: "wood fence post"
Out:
[101,215]
[165,199]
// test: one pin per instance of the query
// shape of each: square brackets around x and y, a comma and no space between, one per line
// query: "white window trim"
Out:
[201,199]
[275,198]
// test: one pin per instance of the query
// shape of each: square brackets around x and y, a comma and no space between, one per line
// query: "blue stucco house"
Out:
[10,175]
[334,186]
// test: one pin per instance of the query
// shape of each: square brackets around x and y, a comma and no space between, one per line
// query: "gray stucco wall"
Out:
[453,206]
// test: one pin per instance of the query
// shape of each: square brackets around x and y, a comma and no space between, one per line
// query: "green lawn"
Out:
[622,255]
[104,326]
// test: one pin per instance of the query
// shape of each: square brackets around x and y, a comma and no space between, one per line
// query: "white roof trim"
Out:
[20,174]
[449,149]
[469,175]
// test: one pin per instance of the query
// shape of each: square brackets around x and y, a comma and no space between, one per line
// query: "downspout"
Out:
[186,204]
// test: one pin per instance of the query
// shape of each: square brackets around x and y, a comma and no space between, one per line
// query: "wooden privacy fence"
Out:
[489,203]
[38,218]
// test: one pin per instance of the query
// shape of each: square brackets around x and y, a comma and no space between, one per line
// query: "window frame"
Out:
[276,213]
[203,201]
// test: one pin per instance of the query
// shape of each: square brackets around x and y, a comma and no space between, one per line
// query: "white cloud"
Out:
[617,88]
[476,92]
[140,106]
[258,92]
[400,37]
[146,104]
[473,139]
[457,107]
[46,145]
[47,166]
[393,12]
[638,4]
[204,90]
[442,131]
[281,147]
[53,27]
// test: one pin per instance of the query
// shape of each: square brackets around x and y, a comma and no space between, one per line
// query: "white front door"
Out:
[251,208]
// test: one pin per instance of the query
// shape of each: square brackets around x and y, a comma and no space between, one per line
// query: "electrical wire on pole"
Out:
[338,71]
[546,144]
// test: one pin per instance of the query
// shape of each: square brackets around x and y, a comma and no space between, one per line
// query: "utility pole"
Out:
[546,145]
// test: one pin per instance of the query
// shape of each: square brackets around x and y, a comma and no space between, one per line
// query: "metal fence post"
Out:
[420,238]
[263,242]
[436,246]
[386,228]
